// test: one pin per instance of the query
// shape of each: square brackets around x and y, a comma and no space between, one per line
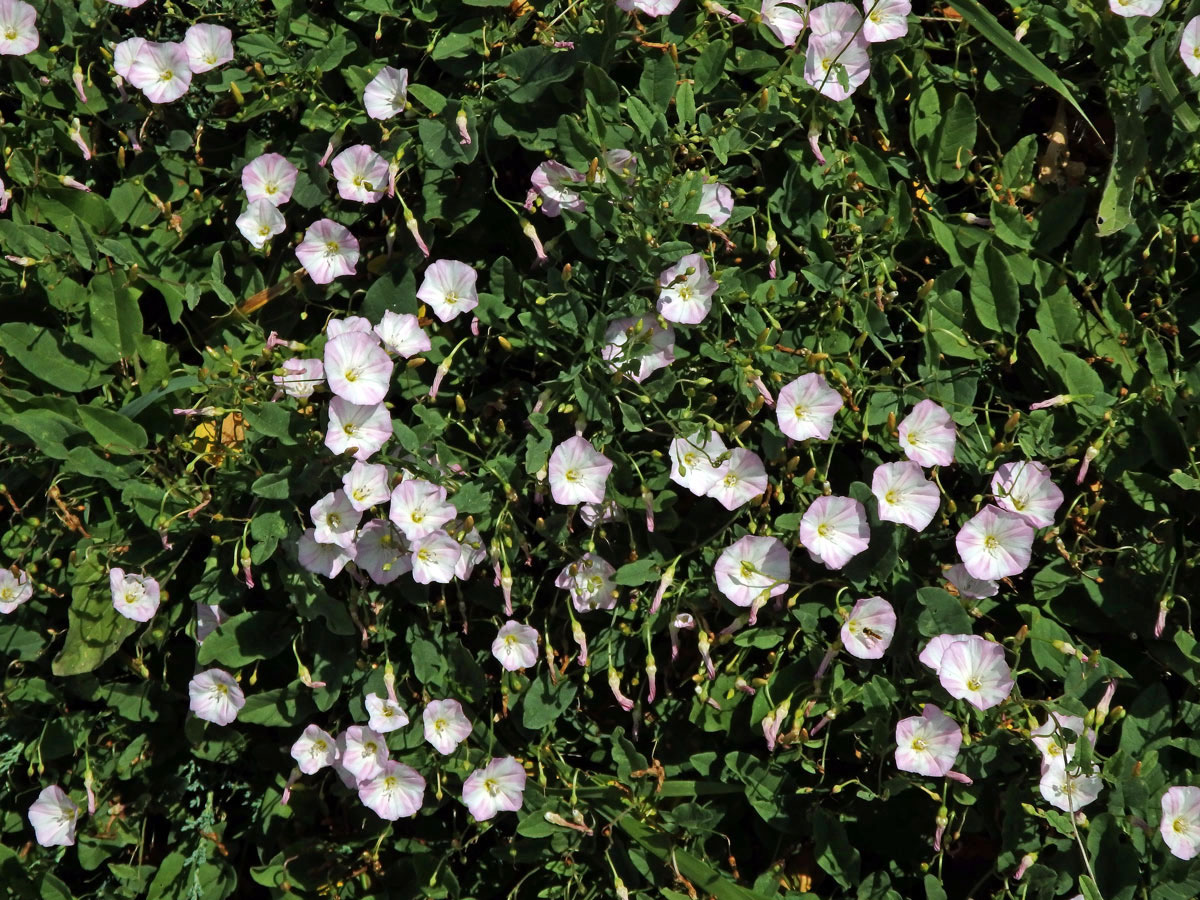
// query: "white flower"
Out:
[752,569]
[327,251]
[53,817]
[446,726]
[268,177]
[551,181]
[885,20]
[435,558]
[382,552]
[351,425]
[124,54]
[208,46]
[869,630]
[1130,8]
[398,790]
[1026,489]
[336,327]
[1189,49]
[498,786]
[366,485]
[968,587]
[905,495]
[361,173]
[209,617]
[386,94]
[215,696]
[515,646]
[448,287]
[806,407]
[314,750]
[363,752]
[649,7]
[260,222]
[785,18]
[385,714]
[927,744]
[936,649]
[832,56]
[829,18]
[471,552]
[1180,826]
[834,530]
[694,464]
[578,472]
[1070,792]
[686,290]
[590,583]
[740,479]
[162,72]
[1044,738]
[995,543]
[133,596]
[974,670]
[419,508]
[402,334]
[927,435]
[357,368]
[326,560]
[15,589]
[638,346]
[716,202]
[18,32]
[335,519]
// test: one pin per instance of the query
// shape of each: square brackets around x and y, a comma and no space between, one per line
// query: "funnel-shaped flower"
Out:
[208,46]
[686,290]
[365,428]
[974,670]
[498,786]
[386,93]
[927,435]
[905,495]
[215,696]
[578,472]
[753,569]
[834,530]
[162,72]
[449,288]
[1180,826]
[740,479]
[590,583]
[314,750]
[869,630]
[327,251]
[927,744]
[806,407]
[133,596]
[995,543]
[515,646]
[269,177]
[446,725]
[398,790]
[53,817]
[1027,489]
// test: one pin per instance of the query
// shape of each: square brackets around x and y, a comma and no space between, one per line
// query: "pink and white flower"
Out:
[741,478]
[163,72]
[402,334]
[1054,753]
[870,629]
[686,290]
[419,508]
[716,202]
[382,552]
[208,46]
[269,177]
[833,56]
[695,465]
[497,787]
[209,617]
[335,519]
[363,752]
[214,695]
[834,530]
[638,346]
[974,670]
[471,552]
[885,20]
[260,222]
[1069,791]
[387,93]
[1189,49]
[335,327]
[357,368]
[326,560]
[384,714]
[435,558]
[53,814]
[1027,489]
[327,251]
[936,649]
[446,725]
[905,495]
[1180,826]
[969,587]
[128,4]
[398,790]
[366,485]
[314,750]
[829,18]
[578,472]
[18,30]
[353,426]
[927,744]
[806,407]
[589,580]
[927,435]
[448,287]
[785,18]
[15,589]
[753,569]
[361,173]
[1131,8]
[125,53]
[551,181]
[995,544]
[649,7]
[516,646]
[133,596]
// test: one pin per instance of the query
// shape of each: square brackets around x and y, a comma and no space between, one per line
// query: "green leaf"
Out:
[994,292]
[954,140]
[835,854]
[1166,85]
[545,701]
[942,614]
[244,638]
[1129,159]
[47,355]
[635,573]
[1088,888]
[657,85]
[95,631]
[113,432]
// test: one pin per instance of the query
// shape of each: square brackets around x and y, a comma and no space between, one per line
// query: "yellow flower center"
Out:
[167,75]
[270,188]
[7,593]
[919,745]
[332,247]
[349,429]
[571,475]
[990,543]
[685,293]
[892,498]
[11,34]
[824,530]
[1180,826]
[491,786]
[974,684]
[800,411]
[320,746]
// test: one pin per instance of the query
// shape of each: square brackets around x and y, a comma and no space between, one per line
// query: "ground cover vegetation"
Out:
[577,448]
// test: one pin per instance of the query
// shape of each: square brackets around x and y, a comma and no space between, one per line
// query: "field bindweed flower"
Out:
[1131,8]
[435,558]
[927,744]
[936,649]
[870,629]
[785,18]
[419,508]
[885,20]
[386,94]
[162,72]
[363,752]
[314,750]
[260,222]
[589,581]
[1189,49]
[446,725]
[686,290]
[366,485]
[336,327]
[357,368]
[1069,791]
[18,28]
[649,7]
[927,435]
[471,552]
[742,478]
[834,530]
[133,596]
[398,790]
[15,589]
[552,182]
[905,495]
[1180,826]
[402,334]
[208,46]
[53,816]
[752,570]
[335,519]
[995,544]
[128,4]
[326,560]
[716,202]
[384,714]
[969,587]
[578,472]
[694,463]
[1027,489]
[302,378]
[806,407]
[327,251]
[516,646]
[448,287]
[832,57]
[209,617]
[215,696]
[269,177]
[125,53]
[974,670]
[361,173]
[638,346]
[1054,754]
[497,787]
[353,426]
[382,552]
